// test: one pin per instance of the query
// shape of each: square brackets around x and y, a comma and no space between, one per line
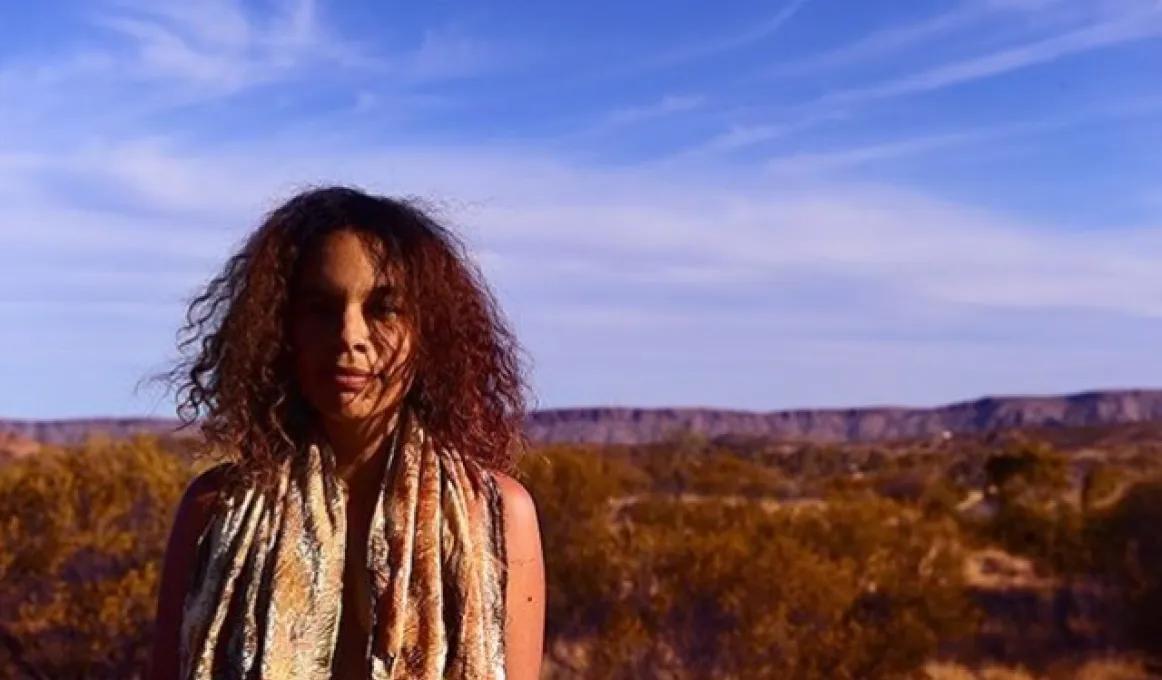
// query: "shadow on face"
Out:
[350,341]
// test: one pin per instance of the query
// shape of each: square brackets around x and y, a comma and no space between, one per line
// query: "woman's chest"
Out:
[355,621]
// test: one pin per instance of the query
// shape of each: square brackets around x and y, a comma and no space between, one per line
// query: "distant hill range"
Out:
[645,425]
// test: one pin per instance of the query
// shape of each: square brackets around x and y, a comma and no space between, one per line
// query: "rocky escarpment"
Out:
[632,425]
[77,430]
[643,425]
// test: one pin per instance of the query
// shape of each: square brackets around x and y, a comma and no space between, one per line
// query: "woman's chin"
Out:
[352,409]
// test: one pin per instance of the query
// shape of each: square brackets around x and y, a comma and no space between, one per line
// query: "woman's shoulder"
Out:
[518,516]
[200,499]
[524,578]
[194,513]
[518,503]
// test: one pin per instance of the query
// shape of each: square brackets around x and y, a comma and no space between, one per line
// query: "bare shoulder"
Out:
[208,484]
[194,513]
[524,635]
[520,511]
[199,500]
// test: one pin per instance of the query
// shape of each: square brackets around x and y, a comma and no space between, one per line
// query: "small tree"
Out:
[1027,472]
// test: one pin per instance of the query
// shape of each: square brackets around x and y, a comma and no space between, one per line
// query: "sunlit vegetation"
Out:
[81,541]
[693,559]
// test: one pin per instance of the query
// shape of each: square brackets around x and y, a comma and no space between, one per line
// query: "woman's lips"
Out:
[351,381]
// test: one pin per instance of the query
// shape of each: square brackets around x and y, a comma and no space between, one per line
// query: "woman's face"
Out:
[349,342]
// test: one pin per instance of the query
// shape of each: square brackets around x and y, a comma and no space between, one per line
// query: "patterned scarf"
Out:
[266,596]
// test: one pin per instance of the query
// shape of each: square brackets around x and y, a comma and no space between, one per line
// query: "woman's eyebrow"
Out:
[314,289]
[322,288]
[386,289]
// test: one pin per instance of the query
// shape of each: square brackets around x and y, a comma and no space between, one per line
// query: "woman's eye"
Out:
[382,310]
[316,306]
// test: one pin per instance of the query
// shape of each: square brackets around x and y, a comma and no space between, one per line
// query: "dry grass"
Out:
[1103,669]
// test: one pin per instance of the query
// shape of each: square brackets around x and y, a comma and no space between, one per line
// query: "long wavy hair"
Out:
[235,381]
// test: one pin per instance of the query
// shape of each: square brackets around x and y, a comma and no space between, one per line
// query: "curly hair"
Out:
[236,379]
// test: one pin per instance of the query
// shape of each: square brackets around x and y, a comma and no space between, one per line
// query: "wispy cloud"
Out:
[744,136]
[218,44]
[886,41]
[448,53]
[819,162]
[822,162]
[623,117]
[1132,21]
[973,15]
[1142,25]
[141,60]
[911,245]
[663,107]
[756,32]
[157,57]
[218,23]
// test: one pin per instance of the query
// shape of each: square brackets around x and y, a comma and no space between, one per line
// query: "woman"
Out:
[354,367]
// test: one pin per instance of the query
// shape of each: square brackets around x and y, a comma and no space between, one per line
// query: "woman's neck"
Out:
[359,446]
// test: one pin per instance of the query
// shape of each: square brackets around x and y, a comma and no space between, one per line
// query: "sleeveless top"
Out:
[266,594]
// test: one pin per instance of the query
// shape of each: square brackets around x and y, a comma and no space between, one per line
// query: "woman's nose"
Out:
[355,331]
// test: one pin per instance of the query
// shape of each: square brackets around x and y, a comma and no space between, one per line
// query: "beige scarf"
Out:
[266,596]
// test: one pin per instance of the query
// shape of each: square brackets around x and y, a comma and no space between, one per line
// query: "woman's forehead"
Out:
[345,261]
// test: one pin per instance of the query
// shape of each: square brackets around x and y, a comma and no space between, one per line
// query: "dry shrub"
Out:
[1112,669]
[856,589]
[1098,669]
[82,537]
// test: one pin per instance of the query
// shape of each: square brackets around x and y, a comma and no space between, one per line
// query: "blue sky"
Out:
[740,204]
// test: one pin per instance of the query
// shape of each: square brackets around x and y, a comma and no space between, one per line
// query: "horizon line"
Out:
[630,408]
